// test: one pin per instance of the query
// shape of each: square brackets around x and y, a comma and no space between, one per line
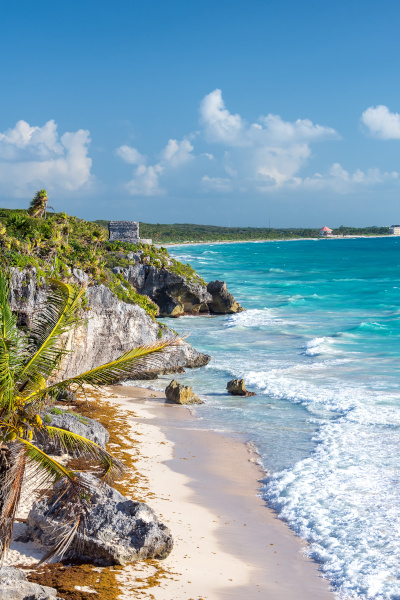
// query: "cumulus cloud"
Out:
[146,178]
[145,181]
[272,149]
[130,155]
[242,157]
[220,125]
[339,180]
[382,123]
[33,156]
[177,153]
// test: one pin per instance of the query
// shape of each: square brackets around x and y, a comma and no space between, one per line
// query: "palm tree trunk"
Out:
[5,466]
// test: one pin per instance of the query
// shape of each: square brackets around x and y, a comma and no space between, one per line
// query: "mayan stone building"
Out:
[126,231]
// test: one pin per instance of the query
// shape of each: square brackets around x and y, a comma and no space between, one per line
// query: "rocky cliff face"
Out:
[174,294]
[112,327]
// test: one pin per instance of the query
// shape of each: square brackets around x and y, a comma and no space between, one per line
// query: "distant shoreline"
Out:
[302,239]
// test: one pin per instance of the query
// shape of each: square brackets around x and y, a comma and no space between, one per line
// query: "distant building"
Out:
[325,231]
[126,231]
[395,229]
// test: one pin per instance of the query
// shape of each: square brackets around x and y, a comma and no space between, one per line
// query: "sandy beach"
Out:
[300,239]
[228,544]
[203,486]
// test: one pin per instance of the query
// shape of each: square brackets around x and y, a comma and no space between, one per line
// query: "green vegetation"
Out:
[61,243]
[38,205]
[28,361]
[56,245]
[179,233]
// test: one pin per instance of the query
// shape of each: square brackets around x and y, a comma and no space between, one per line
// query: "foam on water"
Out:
[320,345]
[253,318]
[315,346]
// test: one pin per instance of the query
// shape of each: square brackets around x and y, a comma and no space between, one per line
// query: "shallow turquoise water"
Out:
[319,344]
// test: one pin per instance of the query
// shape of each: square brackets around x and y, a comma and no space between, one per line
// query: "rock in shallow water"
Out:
[222,301]
[118,530]
[15,586]
[236,387]
[181,394]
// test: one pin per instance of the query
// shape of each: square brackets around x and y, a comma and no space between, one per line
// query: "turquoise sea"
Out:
[320,345]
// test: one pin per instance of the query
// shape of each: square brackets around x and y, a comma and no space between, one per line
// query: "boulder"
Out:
[117,530]
[222,301]
[15,586]
[88,428]
[181,394]
[236,387]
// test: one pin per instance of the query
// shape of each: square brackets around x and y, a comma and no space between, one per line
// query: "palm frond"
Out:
[130,364]
[79,446]
[67,511]
[59,314]
[45,469]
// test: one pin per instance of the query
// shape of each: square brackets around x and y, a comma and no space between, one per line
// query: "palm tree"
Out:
[38,205]
[29,361]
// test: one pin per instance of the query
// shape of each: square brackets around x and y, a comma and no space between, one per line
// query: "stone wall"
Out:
[124,231]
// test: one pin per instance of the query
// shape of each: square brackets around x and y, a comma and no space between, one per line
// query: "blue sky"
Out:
[217,112]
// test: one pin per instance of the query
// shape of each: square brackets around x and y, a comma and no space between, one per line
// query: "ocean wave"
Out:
[344,501]
[253,318]
[314,347]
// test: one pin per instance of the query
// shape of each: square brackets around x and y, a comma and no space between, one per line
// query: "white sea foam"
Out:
[315,346]
[344,501]
[253,318]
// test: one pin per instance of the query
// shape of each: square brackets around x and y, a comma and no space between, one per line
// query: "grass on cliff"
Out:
[61,243]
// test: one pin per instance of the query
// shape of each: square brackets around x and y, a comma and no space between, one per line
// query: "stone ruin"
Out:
[126,231]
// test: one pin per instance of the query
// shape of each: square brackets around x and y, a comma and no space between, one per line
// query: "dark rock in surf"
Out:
[222,301]
[181,394]
[236,387]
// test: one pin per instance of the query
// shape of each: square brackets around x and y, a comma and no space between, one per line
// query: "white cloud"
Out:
[262,157]
[32,157]
[130,155]
[382,123]
[145,180]
[271,150]
[177,153]
[220,125]
[341,181]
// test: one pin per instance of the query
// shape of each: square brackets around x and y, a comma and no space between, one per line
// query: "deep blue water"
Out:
[320,344]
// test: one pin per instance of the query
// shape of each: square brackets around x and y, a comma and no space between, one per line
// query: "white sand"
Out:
[203,486]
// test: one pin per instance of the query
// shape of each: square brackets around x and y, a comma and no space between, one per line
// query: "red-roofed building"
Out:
[325,231]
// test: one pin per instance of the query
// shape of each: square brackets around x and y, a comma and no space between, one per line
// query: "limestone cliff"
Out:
[174,293]
[111,328]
